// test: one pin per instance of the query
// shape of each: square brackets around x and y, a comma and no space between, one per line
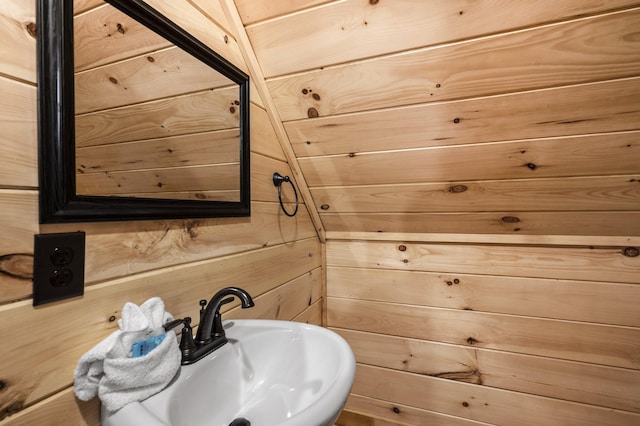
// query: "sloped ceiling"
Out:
[454,116]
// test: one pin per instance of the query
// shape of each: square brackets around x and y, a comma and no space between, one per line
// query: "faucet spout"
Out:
[210,328]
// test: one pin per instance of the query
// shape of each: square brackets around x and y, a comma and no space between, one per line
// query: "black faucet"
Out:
[210,334]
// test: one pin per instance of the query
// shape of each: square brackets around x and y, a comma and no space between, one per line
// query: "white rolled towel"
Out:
[109,371]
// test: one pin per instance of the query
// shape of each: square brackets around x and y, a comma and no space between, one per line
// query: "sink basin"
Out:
[269,373]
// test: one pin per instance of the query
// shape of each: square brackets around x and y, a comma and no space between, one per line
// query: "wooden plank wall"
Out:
[150,118]
[475,166]
[276,258]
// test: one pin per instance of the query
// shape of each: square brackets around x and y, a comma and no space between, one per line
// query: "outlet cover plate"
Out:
[58,266]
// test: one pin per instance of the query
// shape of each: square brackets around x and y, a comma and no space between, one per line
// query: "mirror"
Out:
[137,118]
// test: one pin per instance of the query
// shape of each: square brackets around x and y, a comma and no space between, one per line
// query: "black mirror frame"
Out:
[59,202]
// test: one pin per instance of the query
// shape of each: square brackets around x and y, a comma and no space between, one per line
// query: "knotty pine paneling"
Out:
[589,49]
[252,11]
[505,370]
[480,403]
[135,80]
[344,31]
[417,323]
[31,378]
[278,259]
[461,124]
[566,111]
[374,103]
[571,194]
[521,225]
[18,35]
[608,264]
[541,337]
[597,302]
[571,156]
[18,145]
[162,118]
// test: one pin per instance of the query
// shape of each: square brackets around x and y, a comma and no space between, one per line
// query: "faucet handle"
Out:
[187,344]
[173,324]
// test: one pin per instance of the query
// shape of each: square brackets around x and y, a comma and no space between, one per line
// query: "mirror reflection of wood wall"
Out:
[152,121]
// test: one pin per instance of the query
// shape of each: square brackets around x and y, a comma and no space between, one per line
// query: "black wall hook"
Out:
[278,179]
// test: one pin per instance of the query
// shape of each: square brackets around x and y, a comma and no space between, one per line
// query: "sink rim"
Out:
[329,404]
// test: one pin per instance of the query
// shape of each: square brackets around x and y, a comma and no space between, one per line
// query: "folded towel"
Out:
[108,369]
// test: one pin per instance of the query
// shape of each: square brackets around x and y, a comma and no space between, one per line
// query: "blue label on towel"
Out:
[143,347]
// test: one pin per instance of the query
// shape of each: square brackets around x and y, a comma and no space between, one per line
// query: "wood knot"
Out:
[112,318]
[352,154]
[113,80]
[510,219]
[232,109]
[120,28]
[465,404]
[472,341]
[457,189]
[11,409]
[150,59]
[395,409]
[631,252]
[31,28]
[316,96]
[226,39]
[402,247]
[531,166]
[312,113]
[456,120]
[17,265]
[325,207]
[372,2]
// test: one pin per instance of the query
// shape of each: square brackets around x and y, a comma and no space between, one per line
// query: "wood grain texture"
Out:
[511,225]
[479,403]
[18,224]
[104,34]
[61,408]
[572,263]
[18,35]
[586,383]
[535,195]
[591,49]
[556,339]
[566,111]
[251,11]
[349,30]
[186,150]
[149,245]
[18,142]
[590,155]
[213,11]
[598,302]
[208,27]
[161,118]
[392,414]
[153,75]
[49,369]
[256,70]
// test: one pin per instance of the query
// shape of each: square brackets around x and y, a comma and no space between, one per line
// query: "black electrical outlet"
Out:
[58,266]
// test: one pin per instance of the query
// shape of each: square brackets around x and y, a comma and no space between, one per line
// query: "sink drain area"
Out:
[240,421]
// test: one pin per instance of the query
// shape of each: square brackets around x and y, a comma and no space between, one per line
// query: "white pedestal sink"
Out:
[270,373]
